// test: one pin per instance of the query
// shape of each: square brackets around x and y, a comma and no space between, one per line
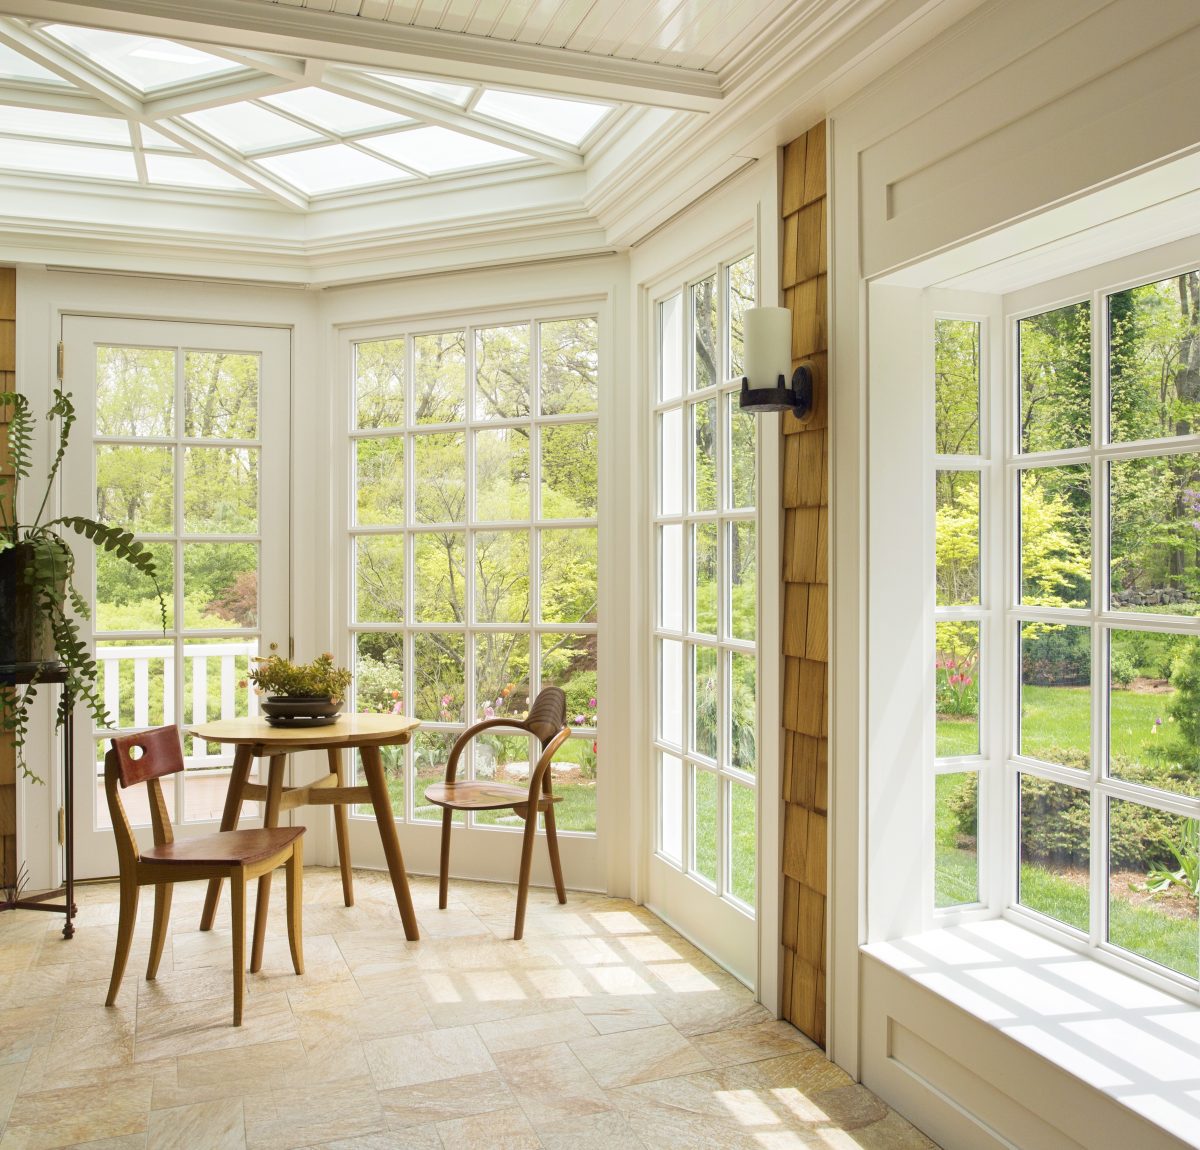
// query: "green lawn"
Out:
[1058,719]
[956,865]
[1168,939]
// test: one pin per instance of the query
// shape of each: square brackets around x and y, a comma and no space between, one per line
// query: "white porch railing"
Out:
[206,705]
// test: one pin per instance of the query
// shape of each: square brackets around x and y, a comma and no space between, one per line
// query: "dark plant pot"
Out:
[24,632]
[299,706]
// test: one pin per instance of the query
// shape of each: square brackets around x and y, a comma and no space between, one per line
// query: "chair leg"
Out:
[295,902]
[526,866]
[341,823]
[163,892]
[555,862]
[444,869]
[125,925]
[237,901]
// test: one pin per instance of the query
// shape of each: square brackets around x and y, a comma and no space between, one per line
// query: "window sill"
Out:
[1129,1041]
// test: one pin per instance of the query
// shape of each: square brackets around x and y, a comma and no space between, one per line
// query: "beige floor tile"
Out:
[214,1125]
[602,1028]
[302,1116]
[410,1058]
[499,1130]
[536,1030]
[751,1043]
[551,1085]
[607,1130]
[610,1013]
[632,1056]
[445,1099]
[45,1119]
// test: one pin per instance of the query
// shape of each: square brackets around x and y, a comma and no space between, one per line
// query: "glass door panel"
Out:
[188,426]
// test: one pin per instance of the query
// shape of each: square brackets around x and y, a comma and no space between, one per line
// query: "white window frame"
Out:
[468,426]
[999,813]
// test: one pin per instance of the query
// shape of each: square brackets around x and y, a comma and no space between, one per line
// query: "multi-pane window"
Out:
[177,445]
[706,580]
[1104,474]
[474,536]
[960,479]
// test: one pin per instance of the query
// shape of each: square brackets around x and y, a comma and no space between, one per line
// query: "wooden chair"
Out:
[236,855]
[547,720]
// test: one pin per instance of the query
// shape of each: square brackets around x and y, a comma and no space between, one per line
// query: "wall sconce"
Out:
[767,344]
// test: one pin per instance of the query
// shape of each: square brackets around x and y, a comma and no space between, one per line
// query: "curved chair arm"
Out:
[461,742]
[542,770]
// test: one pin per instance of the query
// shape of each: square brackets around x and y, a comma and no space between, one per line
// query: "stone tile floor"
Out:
[602,1028]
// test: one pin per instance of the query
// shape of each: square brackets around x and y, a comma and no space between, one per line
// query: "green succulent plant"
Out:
[46,566]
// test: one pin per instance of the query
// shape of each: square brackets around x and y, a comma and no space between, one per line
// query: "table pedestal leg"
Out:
[270,819]
[242,758]
[341,823]
[372,762]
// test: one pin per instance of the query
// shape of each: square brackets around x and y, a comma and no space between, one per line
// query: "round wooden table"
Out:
[256,738]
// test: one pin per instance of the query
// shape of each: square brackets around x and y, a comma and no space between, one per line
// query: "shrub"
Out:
[1185,705]
[1121,671]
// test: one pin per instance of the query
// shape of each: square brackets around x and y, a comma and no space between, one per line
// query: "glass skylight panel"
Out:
[249,128]
[14,66]
[153,139]
[568,120]
[335,168]
[334,113]
[189,172]
[457,94]
[68,160]
[434,150]
[64,126]
[143,61]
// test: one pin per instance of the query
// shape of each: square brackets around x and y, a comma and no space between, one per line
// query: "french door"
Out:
[182,438]
[703,867]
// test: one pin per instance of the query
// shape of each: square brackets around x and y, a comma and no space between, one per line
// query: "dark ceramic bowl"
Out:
[299,706]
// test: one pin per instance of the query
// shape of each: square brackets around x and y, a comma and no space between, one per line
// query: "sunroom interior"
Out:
[414,333]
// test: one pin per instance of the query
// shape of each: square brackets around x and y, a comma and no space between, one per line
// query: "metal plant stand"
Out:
[15,674]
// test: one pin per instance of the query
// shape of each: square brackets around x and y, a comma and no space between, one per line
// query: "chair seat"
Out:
[228,847]
[483,796]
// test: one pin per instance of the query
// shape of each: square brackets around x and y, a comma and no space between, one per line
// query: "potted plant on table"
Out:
[299,694]
[40,607]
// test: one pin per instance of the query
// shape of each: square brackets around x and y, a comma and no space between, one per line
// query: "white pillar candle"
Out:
[768,345]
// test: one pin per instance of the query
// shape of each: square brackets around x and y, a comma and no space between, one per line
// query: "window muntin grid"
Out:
[705,522]
[1099,793]
[437,416]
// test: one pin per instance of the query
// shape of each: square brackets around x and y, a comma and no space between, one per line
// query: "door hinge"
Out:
[62,360]
[62,826]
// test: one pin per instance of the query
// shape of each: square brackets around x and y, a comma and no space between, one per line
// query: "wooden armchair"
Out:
[236,855]
[547,720]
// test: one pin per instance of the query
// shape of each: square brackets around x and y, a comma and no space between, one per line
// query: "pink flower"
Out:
[592,703]
[397,708]
[579,720]
[489,712]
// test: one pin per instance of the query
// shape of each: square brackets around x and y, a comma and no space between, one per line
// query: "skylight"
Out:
[69,160]
[158,112]
[14,66]
[457,94]
[332,169]
[142,61]
[249,128]
[63,126]
[185,171]
[568,120]
[335,113]
[434,150]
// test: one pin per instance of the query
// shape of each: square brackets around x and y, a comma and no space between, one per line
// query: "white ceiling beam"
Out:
[213,95]
[388,96]
[340,38]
